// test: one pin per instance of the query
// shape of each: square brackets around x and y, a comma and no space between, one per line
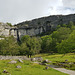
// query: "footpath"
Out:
[70,72]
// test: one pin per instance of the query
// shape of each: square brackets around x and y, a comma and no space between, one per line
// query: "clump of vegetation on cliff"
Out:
[9,24]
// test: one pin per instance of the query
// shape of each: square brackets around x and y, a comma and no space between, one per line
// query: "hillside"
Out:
[36,26]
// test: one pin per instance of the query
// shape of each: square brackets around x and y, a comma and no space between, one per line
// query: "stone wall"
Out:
[13,57]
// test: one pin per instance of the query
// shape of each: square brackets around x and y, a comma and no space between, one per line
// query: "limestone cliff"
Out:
[44,24]
[36,26]
[4,29]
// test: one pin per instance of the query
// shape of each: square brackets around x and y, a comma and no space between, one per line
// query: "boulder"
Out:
[13,62]
[20,60]
[46,68]
[46,61]
[18,66]
[33,59]
[66,60]
[5,71]
[71,63]
[37,59]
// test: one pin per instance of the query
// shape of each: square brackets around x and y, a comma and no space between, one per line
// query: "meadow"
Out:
[30,68]
[27,68]
[58,57]
[68,59]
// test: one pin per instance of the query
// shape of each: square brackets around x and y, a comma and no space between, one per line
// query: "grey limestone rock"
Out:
[13,62]
[36,26]
[33,59]
[37,59]
[46,61]
[20,60]
[18,66]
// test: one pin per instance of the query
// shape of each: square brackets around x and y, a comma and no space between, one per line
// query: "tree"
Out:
[46,41]
[9,46]
[23,49]
[67,45]
[32,45]
[58,26]
[25,38]
[61,34]
[72,28]
[64,25]
[70,24]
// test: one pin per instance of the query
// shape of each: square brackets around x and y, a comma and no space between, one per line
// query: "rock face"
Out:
[36,26]
[4,29]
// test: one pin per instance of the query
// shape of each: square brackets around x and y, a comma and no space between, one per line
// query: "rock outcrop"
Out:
[36,26]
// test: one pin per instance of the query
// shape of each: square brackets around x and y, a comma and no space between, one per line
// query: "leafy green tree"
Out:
[23,49]
[64,25]
[9,46]
[70,24]
[53,45]
[33,45]
[14,49]
[25,38]
[58,26]
[61,34]
[72,28]
[3,46]
[45,45]
[67,45]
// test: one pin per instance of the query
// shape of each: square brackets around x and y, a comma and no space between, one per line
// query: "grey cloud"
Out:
[69,3]
[68,7]
[15,11]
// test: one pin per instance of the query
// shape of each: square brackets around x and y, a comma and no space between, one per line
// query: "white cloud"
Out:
[69,3]
[68,7]
[15,11]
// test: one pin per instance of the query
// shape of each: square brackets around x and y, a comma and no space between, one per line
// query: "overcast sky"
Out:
[15,11]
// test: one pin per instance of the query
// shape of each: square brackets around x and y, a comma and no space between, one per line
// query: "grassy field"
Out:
[57,58]
[27,68]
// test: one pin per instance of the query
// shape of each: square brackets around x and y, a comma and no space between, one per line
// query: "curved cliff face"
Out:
[44,24]
[36,26]
[4,29]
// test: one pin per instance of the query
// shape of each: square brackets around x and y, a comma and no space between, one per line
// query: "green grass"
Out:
[28,68]
[58,57]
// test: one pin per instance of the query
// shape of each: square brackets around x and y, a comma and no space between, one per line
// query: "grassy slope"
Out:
[58,57]
[27,69]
